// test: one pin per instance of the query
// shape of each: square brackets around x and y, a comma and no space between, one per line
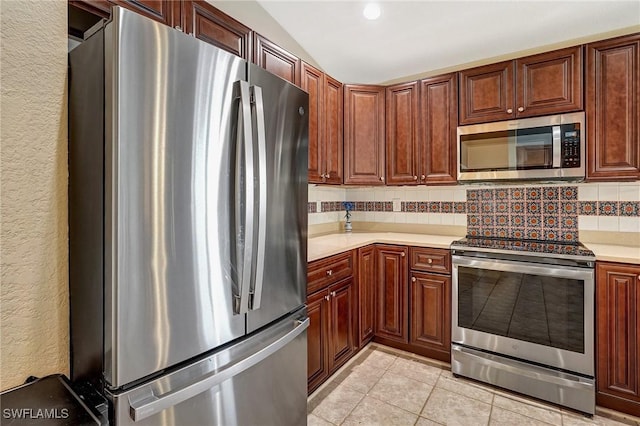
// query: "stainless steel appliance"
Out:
[523,318]
[187,222]
[551,147]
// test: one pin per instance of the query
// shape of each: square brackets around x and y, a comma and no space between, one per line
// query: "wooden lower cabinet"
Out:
[366,294]
[332,308]
[391,293]
[430,324]
[618,337]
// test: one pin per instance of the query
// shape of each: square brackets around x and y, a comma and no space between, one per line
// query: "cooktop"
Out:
[526,247]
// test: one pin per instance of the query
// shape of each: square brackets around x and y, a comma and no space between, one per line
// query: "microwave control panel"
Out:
[570,146]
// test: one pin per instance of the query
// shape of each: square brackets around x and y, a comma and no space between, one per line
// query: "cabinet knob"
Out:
[329,272]
[509,111]
[333,294]
[520,109]
[178,27]
[415,178]
[381,178]
[413,279]
[402,254]
[326,297]
[423,177]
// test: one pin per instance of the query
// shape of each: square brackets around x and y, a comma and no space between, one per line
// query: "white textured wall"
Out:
[34,309]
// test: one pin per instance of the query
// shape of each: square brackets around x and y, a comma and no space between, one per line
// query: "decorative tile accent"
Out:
[434,207]
[569,193]
[629,208]
[423,206]
[459,207]
[534,194]
[608,208]
[388,206]
[588,208]
[502,194]
[516,194]
[446,207]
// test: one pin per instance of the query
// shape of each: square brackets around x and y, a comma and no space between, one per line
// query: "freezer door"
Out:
[280,132]
[173,117]
[260,381]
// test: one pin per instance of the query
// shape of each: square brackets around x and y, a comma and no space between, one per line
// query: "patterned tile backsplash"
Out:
[547,211]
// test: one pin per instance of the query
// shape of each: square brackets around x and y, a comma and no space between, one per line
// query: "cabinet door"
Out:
[166,12]
[341,324]
[437,160]
[618,339]
[402,133]
[613,109]
[391,293]
[317,339]
[486,93]
[549,83]
[276,60]
[333,118]
[209,24]
[313,84]
[430,306]
[366,293]
[364,143]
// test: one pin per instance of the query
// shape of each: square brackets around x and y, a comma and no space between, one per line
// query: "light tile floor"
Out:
[382,386]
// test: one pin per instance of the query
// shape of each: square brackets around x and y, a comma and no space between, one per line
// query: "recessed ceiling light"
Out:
[371,11]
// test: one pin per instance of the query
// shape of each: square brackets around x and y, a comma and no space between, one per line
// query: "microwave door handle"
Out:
[557,145]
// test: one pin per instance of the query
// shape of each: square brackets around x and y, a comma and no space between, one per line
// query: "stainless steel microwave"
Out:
[539,148]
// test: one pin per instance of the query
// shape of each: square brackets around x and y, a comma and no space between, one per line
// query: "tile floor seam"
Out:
[353,409]
[391,403]
[425,404]
[529,417]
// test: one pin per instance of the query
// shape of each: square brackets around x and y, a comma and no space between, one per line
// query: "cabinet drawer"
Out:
[430,260]
[329,270]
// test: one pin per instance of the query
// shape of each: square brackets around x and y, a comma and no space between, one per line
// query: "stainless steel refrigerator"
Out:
[187,231]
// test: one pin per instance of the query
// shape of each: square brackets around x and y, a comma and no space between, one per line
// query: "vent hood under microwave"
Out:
[540,148]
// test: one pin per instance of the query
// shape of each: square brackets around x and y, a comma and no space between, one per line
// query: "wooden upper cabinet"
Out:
[548,83]
[166,12]
[438,121]
[313,83]
[392,293]
[325,125]
[209,24]
[364,135]
[402,133]
[613,109]
[618,337]
[333,126]
[486,93]
[276,60]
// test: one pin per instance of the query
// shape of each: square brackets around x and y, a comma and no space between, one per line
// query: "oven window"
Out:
[538,309]
[507,150]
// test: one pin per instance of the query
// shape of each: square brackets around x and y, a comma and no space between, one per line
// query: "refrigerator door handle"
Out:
[258,115]
[244,184]
[154,404]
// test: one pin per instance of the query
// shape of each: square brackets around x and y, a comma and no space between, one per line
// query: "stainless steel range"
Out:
[523,317]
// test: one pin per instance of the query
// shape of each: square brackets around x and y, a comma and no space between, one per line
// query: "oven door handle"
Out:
[524,267]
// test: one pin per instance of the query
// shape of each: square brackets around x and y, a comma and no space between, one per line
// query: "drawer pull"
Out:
[429,261]
[333,294]
[326,297]
[402,254]
[413,279]
[329,272]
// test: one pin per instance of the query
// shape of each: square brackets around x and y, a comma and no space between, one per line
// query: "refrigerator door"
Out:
[259,381]
[280,129]
[173,117]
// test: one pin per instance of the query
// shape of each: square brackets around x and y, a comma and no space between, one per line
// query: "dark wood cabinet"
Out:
[341,324]
[366,293]
[402,134]
[325,125]
[207,23]
[613,109]
[547,83]
[618,337]
[392,293]
[430,302]
[438,122]
[165,12]
[317,340]
[364,135]
[332,307]
[276,60]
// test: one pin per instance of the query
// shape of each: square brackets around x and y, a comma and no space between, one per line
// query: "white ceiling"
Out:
[414,37]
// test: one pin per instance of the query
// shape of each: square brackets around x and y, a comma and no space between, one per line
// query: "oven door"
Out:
[536,312]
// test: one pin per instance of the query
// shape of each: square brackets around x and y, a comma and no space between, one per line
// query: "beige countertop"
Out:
[327,245]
